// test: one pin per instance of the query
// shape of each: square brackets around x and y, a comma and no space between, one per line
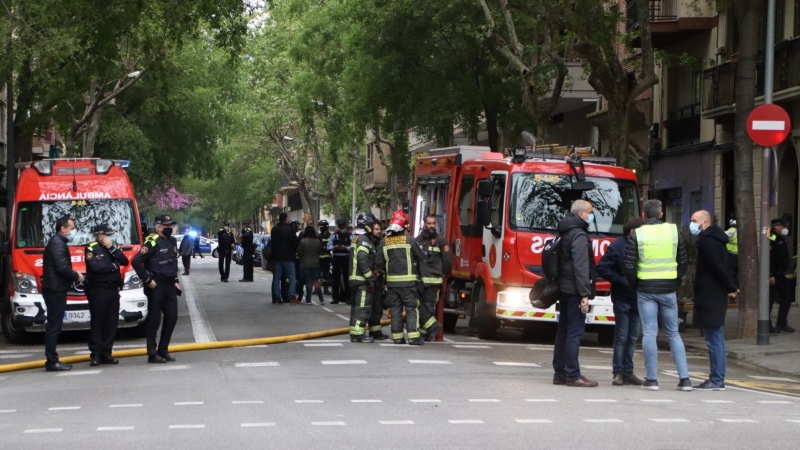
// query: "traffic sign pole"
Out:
[763,254]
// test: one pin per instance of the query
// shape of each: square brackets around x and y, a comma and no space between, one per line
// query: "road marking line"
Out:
[541,400]
[114,428]
[187,403]
[343,362]
[251,346]
[342,317]
[23,355]
[327,309]
[789,380]
[201,328]
[327,424]
[7,411]
[332,344]
[597,367]
[774,402]
[129,405]
[736,388]
[657,400]
[533,421]
[738,420]
[669,420]
[248,402]
[402,346]
[83,352]
[602,420]
[366,401]
[257,364]
[396,422]
[447,340]
[470,346]
[309,401]
[599,400]
[428,361]
[717,401]
[425,400]
[63,408]
[162,369]
[44,430]
[79,372]
[793,420]
[465,422]
[185,427]
[483,400]
[262,424]
[516,364]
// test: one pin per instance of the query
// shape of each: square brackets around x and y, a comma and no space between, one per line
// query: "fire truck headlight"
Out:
[132,281]
[513,297]
[25,283]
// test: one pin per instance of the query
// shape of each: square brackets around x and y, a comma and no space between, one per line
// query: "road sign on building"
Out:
[768,125]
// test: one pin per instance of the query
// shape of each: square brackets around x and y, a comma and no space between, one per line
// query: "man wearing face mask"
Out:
[780,289]
[713,285]
[157,265]
[103,282]
[436,262]
[57,278]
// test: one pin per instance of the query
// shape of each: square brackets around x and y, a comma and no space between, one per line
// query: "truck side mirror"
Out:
[483,213]
[485,188]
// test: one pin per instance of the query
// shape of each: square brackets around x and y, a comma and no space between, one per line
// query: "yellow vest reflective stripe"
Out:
[733,243]
[358,248]
[658,251]
[432,280]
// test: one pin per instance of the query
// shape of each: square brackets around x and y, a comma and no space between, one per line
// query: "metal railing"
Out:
[660,11]
[684,126]
[719,86]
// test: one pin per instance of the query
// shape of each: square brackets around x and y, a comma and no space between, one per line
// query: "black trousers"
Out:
[783,294]
[56,303]
[104,310]
[325,271]
[341,285]
[377,311]
[225,264]
[571,326]
[427,307]
[163,300]
[298,282]
[399,299]
[247,257]
[187,262]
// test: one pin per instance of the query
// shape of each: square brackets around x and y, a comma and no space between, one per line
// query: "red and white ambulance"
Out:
[498,213]
[90,191]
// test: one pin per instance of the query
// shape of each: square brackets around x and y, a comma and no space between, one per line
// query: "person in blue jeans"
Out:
[626,308]
[284,251]
[713,286]
[655,262]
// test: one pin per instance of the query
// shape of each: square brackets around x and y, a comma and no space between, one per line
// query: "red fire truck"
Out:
[91,191]
[498,213]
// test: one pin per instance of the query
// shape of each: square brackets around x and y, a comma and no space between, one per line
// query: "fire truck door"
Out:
[493,235]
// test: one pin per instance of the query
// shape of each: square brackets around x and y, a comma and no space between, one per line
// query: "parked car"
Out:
[206,245]
[238,252]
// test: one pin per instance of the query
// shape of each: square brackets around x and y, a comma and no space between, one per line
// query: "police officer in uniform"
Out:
[375,327]
[362,278]
[103,282]
[298,285]
[398,256]
[733,249]
[780,289]
[325,257]
[436,262]
[226,245]
[157,264]
[339,244]
[247,252]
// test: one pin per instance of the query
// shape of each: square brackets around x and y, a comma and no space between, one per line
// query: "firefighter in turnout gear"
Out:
[375,327]
[339,244]
[227,243]
[436,262]
[247,252]
[325,257]
[362,278]
[103,282]
[398,255]
[157,266]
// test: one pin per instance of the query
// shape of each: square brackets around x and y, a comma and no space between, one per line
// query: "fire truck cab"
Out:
[91,192]
[499,212]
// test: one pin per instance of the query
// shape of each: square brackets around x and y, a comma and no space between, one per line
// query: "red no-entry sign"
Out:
[768,125]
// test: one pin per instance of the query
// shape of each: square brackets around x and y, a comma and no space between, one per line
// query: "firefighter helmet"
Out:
[399,218]
[323,223]
[365,221]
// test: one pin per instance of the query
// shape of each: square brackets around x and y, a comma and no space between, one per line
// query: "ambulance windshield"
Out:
[36,221]
[539,201]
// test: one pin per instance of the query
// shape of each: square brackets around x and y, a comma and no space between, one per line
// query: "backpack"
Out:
[551,259]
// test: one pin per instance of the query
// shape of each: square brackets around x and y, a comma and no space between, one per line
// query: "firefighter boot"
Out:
[362,339]
[378,335]
[432,331]
[400,341]
[416,341]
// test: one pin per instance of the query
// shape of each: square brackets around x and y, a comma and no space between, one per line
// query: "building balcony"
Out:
[684,126]
[672,20]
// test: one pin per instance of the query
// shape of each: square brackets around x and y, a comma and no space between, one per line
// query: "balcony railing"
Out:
[684,126]
[660,11]
[719,86]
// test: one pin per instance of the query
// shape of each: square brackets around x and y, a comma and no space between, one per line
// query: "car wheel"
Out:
[215,253]
[486,321]
[13,332]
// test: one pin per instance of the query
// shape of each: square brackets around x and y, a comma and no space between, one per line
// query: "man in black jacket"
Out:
[576,279]
[626,308]
[655,262]
[57,278]
[713,285]
[339,244]
[284,249]
[225,249]
[780,289]
[248,249]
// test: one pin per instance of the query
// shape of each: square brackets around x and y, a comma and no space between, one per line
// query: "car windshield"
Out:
[36,221]
[540,201]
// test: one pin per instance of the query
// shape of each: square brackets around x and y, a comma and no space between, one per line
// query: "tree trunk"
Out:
[618,131]
[491,129]
[747,13]
[69,146]
[91,132]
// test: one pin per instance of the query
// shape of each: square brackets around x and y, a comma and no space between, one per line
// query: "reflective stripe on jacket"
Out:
[436,259]
[362,260]
[397,255]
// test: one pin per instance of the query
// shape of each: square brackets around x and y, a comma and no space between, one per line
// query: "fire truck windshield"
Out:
[539,201]
[36,221]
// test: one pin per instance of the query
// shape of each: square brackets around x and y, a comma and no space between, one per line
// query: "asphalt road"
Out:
[462,393]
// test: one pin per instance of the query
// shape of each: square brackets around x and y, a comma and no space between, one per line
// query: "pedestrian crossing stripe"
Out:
[510,313]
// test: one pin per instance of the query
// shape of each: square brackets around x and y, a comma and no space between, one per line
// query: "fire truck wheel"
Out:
[13,332]
[450,321]
[486,320]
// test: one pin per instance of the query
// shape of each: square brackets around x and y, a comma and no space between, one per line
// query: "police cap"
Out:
[103,228]
[164,220]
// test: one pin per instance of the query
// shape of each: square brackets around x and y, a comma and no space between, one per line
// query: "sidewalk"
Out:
[781,356]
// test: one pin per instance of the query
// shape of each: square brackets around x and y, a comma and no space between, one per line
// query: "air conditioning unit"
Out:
[722,51]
